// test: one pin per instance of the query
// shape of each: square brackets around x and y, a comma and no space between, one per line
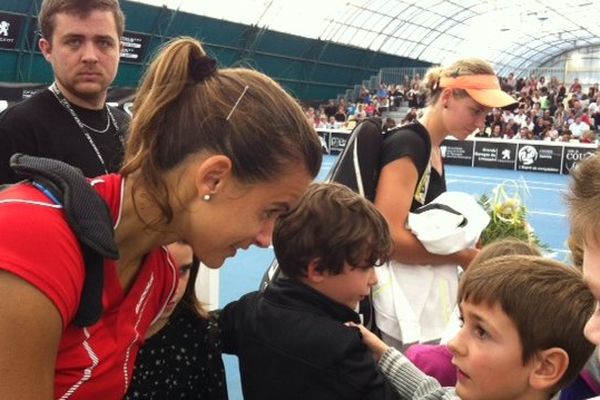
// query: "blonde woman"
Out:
[412,175]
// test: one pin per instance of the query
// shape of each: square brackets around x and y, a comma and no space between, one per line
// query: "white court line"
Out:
[548,213]
[538,185]
[504,179]
[551,214]
[496,183]
[561,255]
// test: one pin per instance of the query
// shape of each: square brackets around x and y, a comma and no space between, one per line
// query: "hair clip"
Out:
[236,103]
[436,85]
[202,67]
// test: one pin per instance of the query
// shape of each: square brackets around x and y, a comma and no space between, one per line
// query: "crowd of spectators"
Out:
[545,109]
[388,97]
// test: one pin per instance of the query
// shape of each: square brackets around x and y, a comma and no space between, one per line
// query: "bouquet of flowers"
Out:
[508,214]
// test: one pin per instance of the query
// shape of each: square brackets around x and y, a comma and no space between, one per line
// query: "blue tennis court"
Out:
[545,203]
[546,214]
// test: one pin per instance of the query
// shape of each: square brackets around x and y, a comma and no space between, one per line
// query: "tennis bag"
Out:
[89,218]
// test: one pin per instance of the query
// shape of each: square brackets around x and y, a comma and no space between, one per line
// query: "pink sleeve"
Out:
[434,360]
[37,245]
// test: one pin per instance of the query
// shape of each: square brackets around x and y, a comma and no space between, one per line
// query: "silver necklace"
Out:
[85,128]
[109,118]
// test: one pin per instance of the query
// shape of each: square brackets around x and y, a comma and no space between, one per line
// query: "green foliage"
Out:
[507,219]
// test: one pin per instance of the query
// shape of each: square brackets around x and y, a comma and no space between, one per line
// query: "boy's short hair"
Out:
[583,199]
[505,247]
[334,225]
[82,8]
[548,302]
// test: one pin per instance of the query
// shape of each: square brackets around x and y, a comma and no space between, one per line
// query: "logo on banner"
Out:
[338,142]
[527,155]
[574,156]
[506,154]
[4,25]
[443,151]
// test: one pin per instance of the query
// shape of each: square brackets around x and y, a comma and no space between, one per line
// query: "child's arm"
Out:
[231,322]
[373,342]
[226,322]
[407,380]
[358,374]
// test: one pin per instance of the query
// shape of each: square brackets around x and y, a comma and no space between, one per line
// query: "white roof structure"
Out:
[514,36]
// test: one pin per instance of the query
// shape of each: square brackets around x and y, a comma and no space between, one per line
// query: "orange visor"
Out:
[484,89]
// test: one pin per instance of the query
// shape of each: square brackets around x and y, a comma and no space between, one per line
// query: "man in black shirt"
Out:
[70,120]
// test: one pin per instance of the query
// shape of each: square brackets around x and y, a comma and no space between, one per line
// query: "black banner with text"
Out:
[337,142]
[521,155]
[573,155]
[495,155]
[539,158]
[457,152]
[134,46]
[10,29]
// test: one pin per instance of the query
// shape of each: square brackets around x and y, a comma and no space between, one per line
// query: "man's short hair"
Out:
[334,225]
[548,302]
[83,8]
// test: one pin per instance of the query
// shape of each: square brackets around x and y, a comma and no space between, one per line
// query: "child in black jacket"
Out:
[291,339]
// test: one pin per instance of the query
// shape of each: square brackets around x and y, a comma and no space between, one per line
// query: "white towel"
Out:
[413,303]
[445,232]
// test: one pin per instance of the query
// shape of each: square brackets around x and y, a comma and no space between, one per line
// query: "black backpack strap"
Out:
[88,216]
[357,167]
[359,163]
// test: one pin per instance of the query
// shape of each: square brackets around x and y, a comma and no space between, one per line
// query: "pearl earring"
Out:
[206,197]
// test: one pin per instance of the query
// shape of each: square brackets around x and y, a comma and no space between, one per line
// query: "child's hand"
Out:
[376,345]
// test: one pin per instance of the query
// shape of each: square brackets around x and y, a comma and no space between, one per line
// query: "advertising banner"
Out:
[522,155]
[15,92]
[573,155]
[457,152]
[10,29]
[337,142]
[134,46]
[539,158]
[495,155]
